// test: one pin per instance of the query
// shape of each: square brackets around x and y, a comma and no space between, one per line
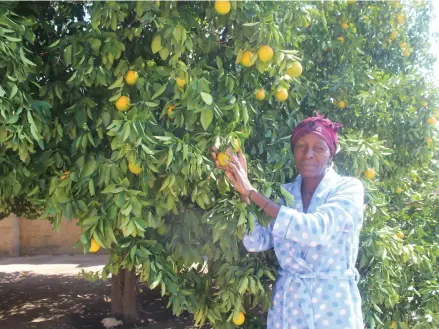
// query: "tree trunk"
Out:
[124,296]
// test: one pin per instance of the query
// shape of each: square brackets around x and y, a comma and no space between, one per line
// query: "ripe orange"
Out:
[341,39]
[406,52]
[223,159]
[428,140]
[265,53]
[431,121]
[170,109]
[135,168]
[246,59]
[398,190]
[402,44]
[369,173]
[295,70]
[393,35]
[94,246]
[344,26]
[123,103]
[281,94]
[181,82]
[400,19]
[239,320]
[223,7]
[341,104]
[131,77]
[260,95]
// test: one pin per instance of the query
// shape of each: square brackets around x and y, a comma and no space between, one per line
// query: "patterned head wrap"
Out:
[320,126]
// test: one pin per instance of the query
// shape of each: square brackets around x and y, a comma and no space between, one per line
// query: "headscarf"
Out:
[318,125]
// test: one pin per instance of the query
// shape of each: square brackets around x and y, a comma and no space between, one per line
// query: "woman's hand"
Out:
[241,163]
[237,175]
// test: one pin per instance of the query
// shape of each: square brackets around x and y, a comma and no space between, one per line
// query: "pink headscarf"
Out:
[320,126]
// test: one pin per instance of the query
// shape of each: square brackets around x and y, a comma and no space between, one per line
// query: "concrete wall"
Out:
[21,237]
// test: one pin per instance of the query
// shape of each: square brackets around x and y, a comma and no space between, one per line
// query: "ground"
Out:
[45,292]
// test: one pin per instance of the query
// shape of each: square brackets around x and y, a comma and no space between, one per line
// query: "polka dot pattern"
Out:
[316,287]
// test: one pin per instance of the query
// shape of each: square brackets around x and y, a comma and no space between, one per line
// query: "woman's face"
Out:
[312,155]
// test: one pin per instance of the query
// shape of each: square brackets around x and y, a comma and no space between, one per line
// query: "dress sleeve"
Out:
[261,239]
[342,212]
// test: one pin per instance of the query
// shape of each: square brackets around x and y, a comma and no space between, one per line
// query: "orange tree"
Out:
[109,110]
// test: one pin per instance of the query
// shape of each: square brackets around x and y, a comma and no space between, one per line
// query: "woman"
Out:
[316,241]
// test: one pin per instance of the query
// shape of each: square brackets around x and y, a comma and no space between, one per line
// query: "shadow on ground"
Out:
[32,301]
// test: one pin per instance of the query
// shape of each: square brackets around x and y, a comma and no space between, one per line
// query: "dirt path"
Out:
[44,292]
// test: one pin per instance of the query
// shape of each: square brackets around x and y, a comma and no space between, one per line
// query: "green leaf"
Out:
[164,53]
[54,44]
[109,189]
[207,98]
[160,91]
[206,118]
[170,157]
[91,187]
[116,84]
[89,168]
[13,91]
[156,44]
[67,55]
[24,59]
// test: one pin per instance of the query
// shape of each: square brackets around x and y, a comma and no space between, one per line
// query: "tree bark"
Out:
[116,294]
[129,298]
[124,296]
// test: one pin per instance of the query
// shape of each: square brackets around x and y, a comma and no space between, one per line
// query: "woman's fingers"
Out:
[213,154]
[231,177]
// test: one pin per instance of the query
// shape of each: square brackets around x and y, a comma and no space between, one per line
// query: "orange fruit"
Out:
[431,121]
[281,94]
[393,35]
[170,109]
[181,82]
[393,325]
[341,39]
[135,168]
[402,44]
[341,104]
[265,53]
[223,159]
[223,7]
[123,103]
[400,19]
[295,70]
[369,173]
[400,235]
[398,190]
[131,77]
[428,140]
[94,246]
[344,26]
[406,52]
[239,320]
[260,95]
[66,174]
[246,59]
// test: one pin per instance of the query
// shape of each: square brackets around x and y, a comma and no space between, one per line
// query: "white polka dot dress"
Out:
[317,283]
